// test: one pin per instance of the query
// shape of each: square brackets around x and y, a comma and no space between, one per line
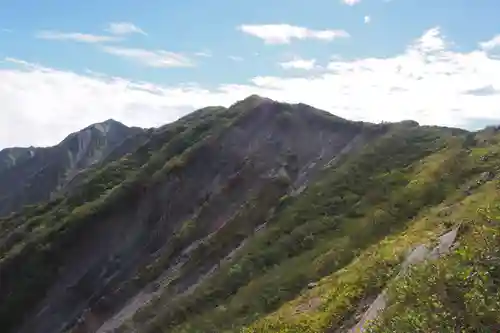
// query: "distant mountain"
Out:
[11,156]
[32,175]
[261,217]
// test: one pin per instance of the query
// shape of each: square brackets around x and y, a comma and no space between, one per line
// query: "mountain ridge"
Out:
[54,166]
[260,217]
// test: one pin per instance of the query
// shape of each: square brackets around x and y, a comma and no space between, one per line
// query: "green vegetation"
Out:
[348,233]
[33,241]
[458,293]
[461,292]
[317,260]
[370,195]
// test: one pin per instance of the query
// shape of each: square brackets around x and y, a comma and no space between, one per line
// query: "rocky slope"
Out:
[262,217]
[32,175]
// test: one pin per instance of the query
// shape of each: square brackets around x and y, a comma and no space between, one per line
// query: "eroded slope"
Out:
[186,197]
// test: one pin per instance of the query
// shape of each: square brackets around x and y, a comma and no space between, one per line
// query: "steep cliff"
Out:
[32,175]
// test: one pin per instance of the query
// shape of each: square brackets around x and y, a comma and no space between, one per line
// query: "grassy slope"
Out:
[461,291]
[458,293]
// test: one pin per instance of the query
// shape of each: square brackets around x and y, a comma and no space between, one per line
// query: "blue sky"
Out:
[65,64]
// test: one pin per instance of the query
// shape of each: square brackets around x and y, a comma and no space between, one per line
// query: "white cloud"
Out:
[431,41]
[124,28]
[75,36]
[491,44]
[235,58]
[367,19]
[351,2]
[156,58]
[428,82]
[41,105]
[298,63]
[204,54]
[285,33]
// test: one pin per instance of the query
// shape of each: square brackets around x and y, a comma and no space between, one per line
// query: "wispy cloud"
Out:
[235,58]
[351,2]
[25,64]
[124,28]
[151,58]
[204,54]
[285,33]
[491,44]
[298,63]
[75,36]
[6,30]
[367,19]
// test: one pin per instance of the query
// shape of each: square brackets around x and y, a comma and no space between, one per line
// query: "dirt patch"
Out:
[311,305]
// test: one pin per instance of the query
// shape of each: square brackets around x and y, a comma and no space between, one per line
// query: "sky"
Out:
[67,64]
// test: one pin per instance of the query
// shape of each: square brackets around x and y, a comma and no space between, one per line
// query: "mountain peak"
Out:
[255,97]
[111,121]
[252,101]
[107,125]
[47,170]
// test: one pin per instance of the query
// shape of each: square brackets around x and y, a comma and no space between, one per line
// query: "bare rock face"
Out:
[420,254]
[11,157]
[32,175]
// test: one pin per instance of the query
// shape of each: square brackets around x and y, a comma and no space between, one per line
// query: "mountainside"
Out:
[263,217]
[32,175]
